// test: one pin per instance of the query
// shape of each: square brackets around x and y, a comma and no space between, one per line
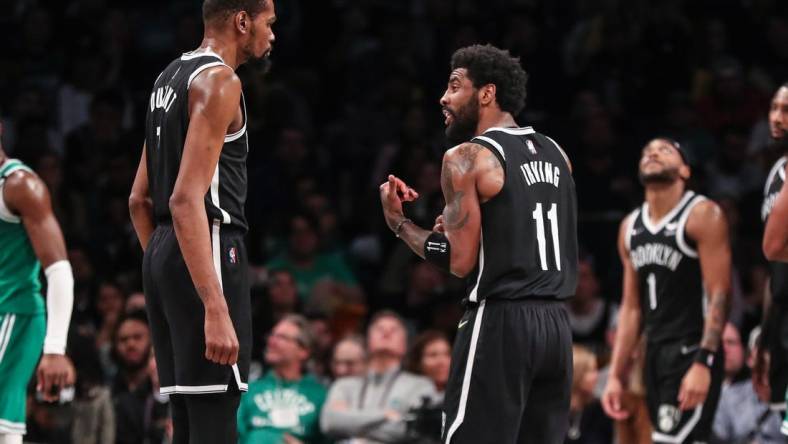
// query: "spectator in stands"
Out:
[308,266]
[270,303]
[110,304]
[742,417]
[430,356]
[590,315]
[734,354]
[588,423]
[93,411]
[140,413]
[284,406]
[371,407]
[349,358]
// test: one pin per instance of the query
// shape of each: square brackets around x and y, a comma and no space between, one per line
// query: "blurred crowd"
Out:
[352,94]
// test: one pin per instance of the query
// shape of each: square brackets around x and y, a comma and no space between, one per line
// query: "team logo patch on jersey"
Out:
[668,417]
[232,254]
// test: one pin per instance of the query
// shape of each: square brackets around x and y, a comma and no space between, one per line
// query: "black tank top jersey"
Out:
[165,134]
[670,282]
[779,270]
[529,229]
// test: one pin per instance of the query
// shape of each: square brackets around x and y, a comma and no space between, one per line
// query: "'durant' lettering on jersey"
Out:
[540,171]
[162,98]
[656,254]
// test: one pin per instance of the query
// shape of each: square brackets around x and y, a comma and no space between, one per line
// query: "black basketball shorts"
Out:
[177,316]
[665,367]
[511,374]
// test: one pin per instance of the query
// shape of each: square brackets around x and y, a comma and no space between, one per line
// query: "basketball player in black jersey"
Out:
[509,228]
[774,212]
[187,207]
[676,258]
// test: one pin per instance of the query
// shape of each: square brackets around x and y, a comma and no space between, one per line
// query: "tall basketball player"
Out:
[677,261]
[30,238]
[509,228]
[774,213]
[187,206]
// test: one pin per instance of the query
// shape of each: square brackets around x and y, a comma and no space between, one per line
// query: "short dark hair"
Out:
[213,9]
[387,313]
[487,64]
[416,352]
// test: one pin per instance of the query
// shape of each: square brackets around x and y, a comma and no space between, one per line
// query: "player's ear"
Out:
[487,94]
[685,172]
[243,22]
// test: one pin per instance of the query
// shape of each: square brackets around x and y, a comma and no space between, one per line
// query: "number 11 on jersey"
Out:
[552,216]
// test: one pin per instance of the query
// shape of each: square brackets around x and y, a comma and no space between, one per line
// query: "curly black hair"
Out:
[213,9]
[487,64]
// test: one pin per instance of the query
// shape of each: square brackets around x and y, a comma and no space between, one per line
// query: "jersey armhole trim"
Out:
[633,217]
[680,240]
[474,294]
[200,69]
[6,215]
[491,144]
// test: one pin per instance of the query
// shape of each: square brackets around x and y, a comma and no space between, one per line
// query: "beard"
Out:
[464,122]
[135,366]
[778,145]
[666,176]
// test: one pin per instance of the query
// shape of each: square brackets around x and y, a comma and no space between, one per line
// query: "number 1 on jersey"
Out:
[652,290]
[552,216]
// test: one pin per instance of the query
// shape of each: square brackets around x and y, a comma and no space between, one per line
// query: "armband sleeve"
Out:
[437,251]
[60,301]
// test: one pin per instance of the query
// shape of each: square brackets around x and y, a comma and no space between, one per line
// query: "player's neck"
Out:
[3,157]
[663,198]
[494,120]
[215,42]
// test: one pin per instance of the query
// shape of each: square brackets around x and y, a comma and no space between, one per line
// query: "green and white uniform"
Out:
[22,311]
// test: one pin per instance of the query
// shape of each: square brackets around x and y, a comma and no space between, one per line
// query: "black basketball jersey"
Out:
[670,282]
[165,134]
[529,229]
[779,270]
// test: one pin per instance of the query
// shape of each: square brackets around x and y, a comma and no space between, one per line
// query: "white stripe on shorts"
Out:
[466,378]
[5,333]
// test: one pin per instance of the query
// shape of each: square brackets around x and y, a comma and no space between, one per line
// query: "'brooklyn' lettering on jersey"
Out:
[672,298]
[529,229]
[166,126]
[779,270]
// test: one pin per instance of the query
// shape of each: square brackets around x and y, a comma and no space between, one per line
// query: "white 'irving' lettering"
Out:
[540,171]
[657,254]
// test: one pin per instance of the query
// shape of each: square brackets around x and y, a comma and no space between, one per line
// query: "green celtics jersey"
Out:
[273,407]
[20,288]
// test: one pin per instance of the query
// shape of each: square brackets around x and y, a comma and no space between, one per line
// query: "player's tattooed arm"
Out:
[140,204]
[775,235]
[461,218]
[455,217]
[708,226]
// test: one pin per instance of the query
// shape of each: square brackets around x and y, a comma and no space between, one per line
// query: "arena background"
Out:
[352,94]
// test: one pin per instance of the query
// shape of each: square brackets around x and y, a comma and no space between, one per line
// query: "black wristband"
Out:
[437,251]
[705,356]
